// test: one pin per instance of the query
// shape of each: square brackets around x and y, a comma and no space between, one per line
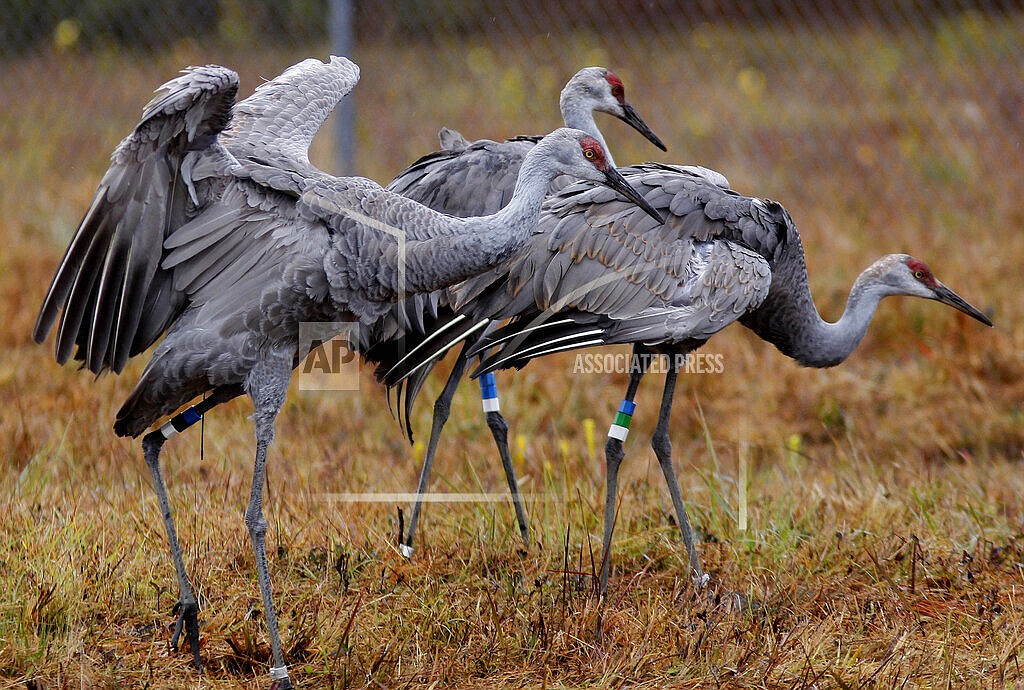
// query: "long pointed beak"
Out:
[633,120]
[614,179]
[946,296]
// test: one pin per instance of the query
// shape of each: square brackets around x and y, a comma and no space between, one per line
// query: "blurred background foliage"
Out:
[152,25]
[732,80]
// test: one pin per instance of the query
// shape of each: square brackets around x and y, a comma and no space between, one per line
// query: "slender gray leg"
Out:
[500,430]
[613,454]
[442,408]
[188,606]
[662,445]
[267,385]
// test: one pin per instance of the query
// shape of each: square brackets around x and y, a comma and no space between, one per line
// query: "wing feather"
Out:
[102,284]
[277,123]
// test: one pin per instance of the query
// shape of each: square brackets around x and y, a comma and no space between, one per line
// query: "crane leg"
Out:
[662,445]
[500,430]
[188,606]
[442,408]
[613,454]
[267,385]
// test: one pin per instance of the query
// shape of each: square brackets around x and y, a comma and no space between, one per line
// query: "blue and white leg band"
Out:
[180,422]
[489,392]
[620,427]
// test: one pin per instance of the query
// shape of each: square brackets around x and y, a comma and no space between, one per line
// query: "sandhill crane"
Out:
[474,178]
[596,273]
[226,251]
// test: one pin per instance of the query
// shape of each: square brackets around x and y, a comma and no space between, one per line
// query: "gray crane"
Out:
[224,243]
[474,178]
[595,273]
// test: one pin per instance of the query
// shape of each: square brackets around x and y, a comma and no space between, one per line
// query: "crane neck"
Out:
[789,319]
[532,181]
[460,248]
[579,116]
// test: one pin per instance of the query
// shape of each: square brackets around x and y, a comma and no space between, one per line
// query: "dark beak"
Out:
[946,296]
[614,179]
[633,120]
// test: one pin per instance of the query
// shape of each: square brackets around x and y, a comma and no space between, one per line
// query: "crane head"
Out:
[599,89]
[904,275]
[605,173]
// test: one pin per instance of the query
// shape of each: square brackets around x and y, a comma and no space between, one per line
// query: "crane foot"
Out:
[187,620]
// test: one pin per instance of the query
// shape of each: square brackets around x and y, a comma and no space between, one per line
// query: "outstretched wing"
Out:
[116,299]
[237,259]
[276,124]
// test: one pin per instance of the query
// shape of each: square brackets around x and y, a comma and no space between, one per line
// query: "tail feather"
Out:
[522,340]
[411,390]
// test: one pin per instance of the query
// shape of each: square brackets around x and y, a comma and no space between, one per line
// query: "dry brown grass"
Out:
[885,545]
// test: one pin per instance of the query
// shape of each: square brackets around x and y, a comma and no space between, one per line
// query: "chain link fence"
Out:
[856,102]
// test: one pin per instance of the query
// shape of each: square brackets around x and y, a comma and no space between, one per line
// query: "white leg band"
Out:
[168,430]
[405,550]
[279,673]
[619,433]
[491,405]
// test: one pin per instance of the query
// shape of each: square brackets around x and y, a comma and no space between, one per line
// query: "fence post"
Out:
[342,36]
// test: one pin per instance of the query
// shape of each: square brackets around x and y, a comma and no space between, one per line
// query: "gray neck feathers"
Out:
[464,247]
[580,116]
[789,320]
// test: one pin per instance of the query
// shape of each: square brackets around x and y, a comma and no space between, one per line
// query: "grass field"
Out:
[885,537]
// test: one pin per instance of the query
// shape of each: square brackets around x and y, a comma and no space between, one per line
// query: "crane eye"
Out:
[590,154]
[919,275]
